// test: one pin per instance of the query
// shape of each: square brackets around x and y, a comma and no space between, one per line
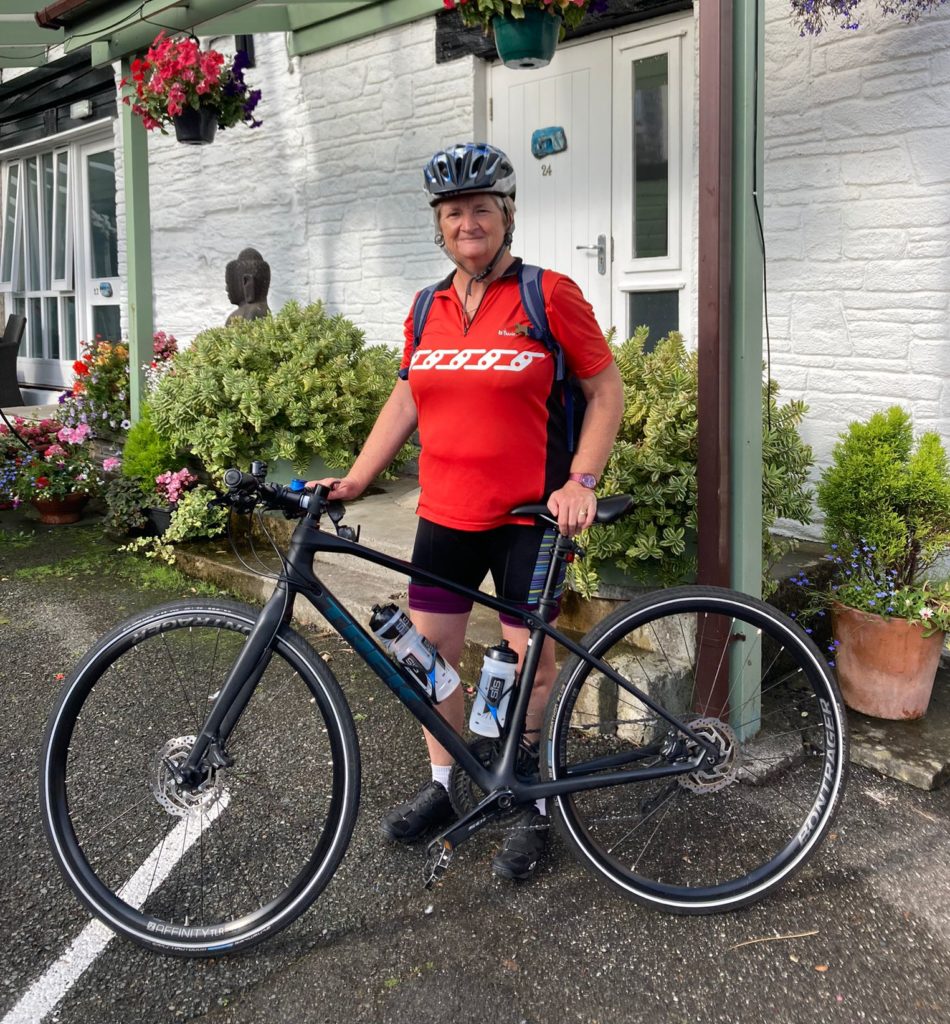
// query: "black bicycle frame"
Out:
[298,577]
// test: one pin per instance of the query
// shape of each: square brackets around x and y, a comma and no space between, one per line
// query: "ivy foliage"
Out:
[293,386]
[889,491]
[655,457]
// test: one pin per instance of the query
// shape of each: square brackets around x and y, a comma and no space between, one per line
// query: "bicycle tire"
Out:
[197,873]
[709,841]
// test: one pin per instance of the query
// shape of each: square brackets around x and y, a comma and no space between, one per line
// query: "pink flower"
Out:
[74,435]
[54,450]
[111,464]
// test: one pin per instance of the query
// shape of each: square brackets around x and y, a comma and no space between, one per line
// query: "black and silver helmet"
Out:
[468,167]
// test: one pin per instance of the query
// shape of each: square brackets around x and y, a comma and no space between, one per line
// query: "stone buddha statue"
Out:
[247,279]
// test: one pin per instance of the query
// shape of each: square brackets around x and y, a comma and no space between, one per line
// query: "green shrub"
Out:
[146,453]
[886,491]
[654,459]
[291,386]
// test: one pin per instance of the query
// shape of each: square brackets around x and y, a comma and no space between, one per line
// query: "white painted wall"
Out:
[857,219]
[329,190]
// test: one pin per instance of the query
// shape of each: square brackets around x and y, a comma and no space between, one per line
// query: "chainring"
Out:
[710,780]
[463,792]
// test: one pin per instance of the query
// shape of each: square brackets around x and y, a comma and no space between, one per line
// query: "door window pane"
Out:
[105,322]
[659,311]
[60,221]
[650,156]
[103,232]
[46,204]
[9,221]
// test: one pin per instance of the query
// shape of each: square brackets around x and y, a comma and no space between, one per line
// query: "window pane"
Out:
[68,335]
[102,221]
[52,327]
[659,311]
[33,280]
[46,184]
[650,156]
[9,222]
[59,247]
[34,328]
[105,322]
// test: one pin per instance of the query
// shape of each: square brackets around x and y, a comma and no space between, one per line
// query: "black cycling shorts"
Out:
[517,557]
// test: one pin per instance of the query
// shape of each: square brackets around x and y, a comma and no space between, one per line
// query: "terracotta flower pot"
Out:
[886,667]
[58,511]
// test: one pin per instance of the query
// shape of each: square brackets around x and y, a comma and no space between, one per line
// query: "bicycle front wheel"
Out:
[197,871]
[744,678]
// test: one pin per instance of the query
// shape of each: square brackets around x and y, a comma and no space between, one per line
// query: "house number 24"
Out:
[545,170]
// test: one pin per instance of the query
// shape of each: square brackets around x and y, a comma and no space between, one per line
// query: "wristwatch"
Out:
[584,479]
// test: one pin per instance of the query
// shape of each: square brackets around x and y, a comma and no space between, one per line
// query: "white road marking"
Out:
[44,994]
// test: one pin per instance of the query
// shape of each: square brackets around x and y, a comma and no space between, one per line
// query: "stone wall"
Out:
[857,222]
[328,190]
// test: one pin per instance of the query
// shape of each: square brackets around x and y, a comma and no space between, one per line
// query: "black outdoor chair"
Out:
[9,348]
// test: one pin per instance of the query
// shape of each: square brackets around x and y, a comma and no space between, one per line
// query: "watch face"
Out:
[585,479]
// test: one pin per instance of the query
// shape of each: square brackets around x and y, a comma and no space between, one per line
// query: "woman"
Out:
[492,430]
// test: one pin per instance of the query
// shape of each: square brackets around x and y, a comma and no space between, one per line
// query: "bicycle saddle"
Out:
[608,509]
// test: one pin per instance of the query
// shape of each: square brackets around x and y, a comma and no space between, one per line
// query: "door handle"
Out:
[601,249]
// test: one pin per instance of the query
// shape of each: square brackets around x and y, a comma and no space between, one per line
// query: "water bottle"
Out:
[399,636]
[494,690]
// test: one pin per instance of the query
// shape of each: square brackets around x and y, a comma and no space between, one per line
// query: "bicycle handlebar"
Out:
[246,490]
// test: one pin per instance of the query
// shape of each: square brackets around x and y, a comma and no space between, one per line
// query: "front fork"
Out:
[209,749]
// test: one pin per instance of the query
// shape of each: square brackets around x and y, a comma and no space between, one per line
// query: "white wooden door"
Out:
[563,199]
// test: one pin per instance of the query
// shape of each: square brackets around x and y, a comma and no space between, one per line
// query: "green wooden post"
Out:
[746,447]
[138,237]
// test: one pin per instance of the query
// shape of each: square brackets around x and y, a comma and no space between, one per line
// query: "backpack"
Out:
[532,301]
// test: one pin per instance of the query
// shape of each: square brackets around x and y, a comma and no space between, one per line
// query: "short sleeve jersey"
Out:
[491,417]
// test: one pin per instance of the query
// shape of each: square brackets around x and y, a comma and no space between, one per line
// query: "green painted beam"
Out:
[247,22]
[301,17]
[364,22]
[138,237]
[22,57]
[28,33]
[746,340]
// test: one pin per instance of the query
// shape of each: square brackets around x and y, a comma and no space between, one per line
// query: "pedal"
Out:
[439,855]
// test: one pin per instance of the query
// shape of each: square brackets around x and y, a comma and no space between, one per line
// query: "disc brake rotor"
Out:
[715,777]
[178,800]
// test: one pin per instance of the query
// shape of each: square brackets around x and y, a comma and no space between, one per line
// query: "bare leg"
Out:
[447,632]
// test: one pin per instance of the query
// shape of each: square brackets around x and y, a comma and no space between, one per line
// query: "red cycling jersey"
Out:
[491,419]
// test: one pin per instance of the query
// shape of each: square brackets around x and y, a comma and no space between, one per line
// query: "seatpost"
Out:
[564,551]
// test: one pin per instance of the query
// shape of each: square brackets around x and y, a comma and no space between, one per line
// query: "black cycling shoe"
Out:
[523,847]
[431,806]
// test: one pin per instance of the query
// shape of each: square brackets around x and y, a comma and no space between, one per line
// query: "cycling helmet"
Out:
[468,167]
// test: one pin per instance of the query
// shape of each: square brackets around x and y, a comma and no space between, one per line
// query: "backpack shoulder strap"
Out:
[532,300]
[420,313]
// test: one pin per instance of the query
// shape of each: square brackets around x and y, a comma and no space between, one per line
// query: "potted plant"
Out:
[195,90]
[526,34]
[886,500]
[293,386]
[56,473]
[99,396]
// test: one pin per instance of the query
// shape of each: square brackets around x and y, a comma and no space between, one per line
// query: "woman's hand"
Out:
[341,489]
[575,507]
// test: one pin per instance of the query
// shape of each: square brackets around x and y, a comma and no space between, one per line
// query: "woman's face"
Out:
[474,229]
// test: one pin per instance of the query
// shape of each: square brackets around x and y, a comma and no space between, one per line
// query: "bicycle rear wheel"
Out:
[207,871]
[721,837]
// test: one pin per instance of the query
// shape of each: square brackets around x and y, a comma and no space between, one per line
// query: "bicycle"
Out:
[200,773]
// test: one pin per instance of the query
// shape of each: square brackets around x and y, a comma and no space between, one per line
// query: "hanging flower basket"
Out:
[529,41]
[196,127]
[526,33]
[195,90]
